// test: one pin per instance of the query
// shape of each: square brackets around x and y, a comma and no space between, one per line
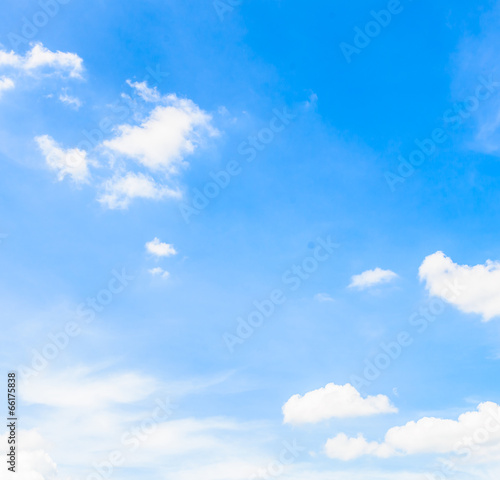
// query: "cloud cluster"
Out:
[334,401]
[159,249]
[429,435]
[144,155]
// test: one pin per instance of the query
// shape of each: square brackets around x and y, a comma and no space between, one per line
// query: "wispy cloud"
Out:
[159,272]
[119,191]
[44,61]
[323,297]
[72,102]
[65,161]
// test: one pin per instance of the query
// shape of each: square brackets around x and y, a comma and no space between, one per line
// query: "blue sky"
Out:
[357,206]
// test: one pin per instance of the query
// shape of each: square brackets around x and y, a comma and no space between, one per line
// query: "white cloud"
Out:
[369,278]
[160,249]
[473,289]
[40,58]
[34,462]
[323,297]
[73,102]
[334,401]
[6,84]
[71,161]
[208,448]
[305,472]
[171,132]
[159,272]
[146,93]
[130,421]
[119,191]
[188,435]
[480,428]
[344,448]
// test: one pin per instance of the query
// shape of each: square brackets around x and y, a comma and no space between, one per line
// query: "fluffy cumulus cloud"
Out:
[370,278]
[72,161]
[42,60]
[119,191]
[172,131]
[137,422]
[471,289]
[474,434]
[334,401]
[160,249]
